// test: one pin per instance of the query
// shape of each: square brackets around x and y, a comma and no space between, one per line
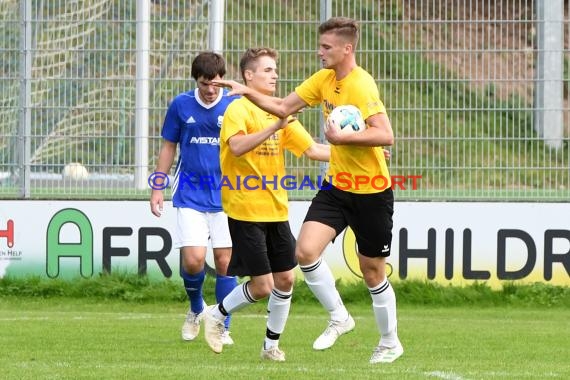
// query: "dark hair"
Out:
[208,65]
[249,58]
[342,26]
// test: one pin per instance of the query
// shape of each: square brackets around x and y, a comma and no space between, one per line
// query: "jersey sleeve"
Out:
[365,95]
[234,121]
[297,139]
[171,125]
[310,89]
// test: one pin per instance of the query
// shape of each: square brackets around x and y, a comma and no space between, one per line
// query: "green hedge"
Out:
[133,288]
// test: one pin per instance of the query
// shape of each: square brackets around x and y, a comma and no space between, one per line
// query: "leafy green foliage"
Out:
[134,288]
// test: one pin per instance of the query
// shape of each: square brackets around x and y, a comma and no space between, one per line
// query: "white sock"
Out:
[384,306]
[270,343]
[277,312]
[238,298]
[320,280]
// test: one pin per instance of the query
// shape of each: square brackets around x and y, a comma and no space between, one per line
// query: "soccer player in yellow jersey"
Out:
[252,144]
[357,201]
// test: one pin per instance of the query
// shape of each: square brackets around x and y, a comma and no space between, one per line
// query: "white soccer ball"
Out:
[75,171]
[347,118]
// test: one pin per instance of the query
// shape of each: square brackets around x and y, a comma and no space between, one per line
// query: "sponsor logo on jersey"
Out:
[205,140]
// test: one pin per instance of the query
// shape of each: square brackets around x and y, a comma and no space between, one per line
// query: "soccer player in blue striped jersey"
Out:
[192,123]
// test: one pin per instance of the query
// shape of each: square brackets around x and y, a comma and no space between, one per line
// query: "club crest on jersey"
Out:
[220,119]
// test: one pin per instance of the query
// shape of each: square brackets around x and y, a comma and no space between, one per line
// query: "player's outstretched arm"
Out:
[236,88]
[276,106]
[318,152]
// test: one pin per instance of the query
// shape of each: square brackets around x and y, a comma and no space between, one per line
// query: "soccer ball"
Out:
[75,171]
[347,118]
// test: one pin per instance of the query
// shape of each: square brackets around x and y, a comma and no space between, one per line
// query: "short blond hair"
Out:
[249,59]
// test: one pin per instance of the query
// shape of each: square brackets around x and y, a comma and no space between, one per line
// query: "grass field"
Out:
[74,338]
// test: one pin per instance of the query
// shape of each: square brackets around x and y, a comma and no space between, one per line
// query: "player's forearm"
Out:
[241,144]
[319,152]
[369,137]
[267,103]
[166,158]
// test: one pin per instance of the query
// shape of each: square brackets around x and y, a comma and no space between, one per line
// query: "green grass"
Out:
[63,338]
[128,326]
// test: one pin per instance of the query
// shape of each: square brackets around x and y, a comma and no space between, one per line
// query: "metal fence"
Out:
[477,90]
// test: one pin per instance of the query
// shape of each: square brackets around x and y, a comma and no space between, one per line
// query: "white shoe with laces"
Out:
[213,329]
[274,354]
[332,332]
[383,354]
[191,326]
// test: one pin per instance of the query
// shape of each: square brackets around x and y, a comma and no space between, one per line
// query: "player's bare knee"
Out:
[260,292]
[260,287]
[305,256]
[373,279]
[372,274]
[284,281]
[222,258]
[222,265]
[193,267]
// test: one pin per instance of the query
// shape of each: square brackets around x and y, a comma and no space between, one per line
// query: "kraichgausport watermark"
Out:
[341,181]
[158,180]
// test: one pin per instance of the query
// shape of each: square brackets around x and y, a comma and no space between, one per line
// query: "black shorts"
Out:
[368,215]
[260,248]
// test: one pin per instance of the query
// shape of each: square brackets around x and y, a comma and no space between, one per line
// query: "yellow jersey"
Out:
[357,169]
[254,186]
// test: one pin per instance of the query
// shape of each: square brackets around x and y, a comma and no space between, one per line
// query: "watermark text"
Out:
[342,181]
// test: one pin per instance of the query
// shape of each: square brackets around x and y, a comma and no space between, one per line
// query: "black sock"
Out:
[271,335]
[222,309]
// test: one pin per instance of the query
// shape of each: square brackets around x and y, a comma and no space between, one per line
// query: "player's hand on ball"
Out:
[333,133]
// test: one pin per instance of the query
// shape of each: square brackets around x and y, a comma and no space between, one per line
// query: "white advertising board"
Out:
[456,243]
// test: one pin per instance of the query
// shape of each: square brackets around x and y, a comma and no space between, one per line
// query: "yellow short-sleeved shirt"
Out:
[356,169]
[252,187]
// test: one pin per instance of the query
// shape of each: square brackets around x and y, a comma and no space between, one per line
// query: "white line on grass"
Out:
[526,374]
[127,316]
[25,319]
[444,375]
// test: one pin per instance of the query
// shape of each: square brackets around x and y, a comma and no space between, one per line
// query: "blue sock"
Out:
[224,285]
[193,285]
